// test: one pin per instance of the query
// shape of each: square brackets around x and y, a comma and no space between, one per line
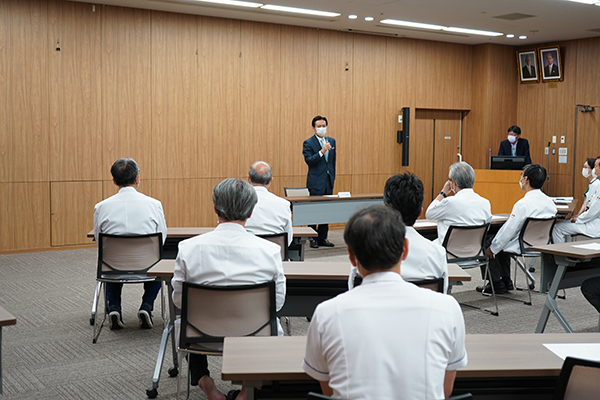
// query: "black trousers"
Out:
[323,229]
[591,290]
[499,266]
[198,367]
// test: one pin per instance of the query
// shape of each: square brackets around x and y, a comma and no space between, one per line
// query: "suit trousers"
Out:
[323,229]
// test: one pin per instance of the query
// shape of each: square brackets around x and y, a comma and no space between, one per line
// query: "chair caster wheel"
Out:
[532,269]
[531,286]
[173,371]
[92,319]
[152,393]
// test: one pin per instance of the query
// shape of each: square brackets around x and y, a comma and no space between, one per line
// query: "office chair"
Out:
[124,259]
[210,313]
[465,246]
[296,191]
[282,240]
[435,284]
[535,232]
[578,380]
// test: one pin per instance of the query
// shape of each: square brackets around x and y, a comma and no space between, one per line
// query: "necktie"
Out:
[326,155]
[514,150]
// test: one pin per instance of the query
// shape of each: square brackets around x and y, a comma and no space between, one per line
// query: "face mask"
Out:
[594,174]
[321,131]
[512,138]
[586,172]
[521,183]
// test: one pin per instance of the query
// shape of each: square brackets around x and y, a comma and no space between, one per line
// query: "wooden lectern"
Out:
[500,187]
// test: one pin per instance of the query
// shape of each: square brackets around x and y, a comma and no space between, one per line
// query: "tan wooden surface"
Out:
[569,249]
[500,187]
[301,199]
[6,318]
[311,270]
[73,210]
[522,355]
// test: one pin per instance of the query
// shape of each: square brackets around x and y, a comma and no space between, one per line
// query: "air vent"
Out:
[514,16]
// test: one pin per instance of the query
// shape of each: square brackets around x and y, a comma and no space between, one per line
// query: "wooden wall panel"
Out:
[24,88]
[335,93]
[299,91]
[126,88]
[24,216]
[220,127]
[181,201]
[75,92]
[371,149]
[72,208]
[260,78]
[174,96]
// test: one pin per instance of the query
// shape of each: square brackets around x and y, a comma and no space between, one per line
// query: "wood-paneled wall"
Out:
[197,99]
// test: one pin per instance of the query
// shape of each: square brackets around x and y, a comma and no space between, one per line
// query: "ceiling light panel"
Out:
[412,24]
[232,3]
[295,10]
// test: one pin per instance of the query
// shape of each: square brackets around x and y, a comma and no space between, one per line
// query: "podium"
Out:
[500,187]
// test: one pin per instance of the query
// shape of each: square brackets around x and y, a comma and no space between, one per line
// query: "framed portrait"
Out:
[527,65]
[550,64]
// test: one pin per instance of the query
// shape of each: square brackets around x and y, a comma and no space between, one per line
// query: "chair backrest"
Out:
[128,254]
[465,242]
[536,232]
[436,284]
[296,191]
[579,379]
[210,313]
[282,240]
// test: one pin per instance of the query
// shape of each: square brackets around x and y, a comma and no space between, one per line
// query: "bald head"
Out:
[260,173]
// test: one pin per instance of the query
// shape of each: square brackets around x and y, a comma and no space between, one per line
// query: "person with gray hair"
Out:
[229,255]
[129,213]
[465,208]
[272,214]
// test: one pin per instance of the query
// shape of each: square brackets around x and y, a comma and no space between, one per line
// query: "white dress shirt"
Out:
[129,213]
[425,260]
[535,204]
[228,256]
[465,208]
[588,223]
[386,339]
[271,215]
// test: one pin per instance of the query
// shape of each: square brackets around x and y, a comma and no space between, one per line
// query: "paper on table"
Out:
[588,246]
[587,351]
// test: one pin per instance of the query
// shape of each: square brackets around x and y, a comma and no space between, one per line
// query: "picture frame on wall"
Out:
[550,64]
[527,64]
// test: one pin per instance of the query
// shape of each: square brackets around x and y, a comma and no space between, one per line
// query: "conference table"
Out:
[329,209]
[177,234]
[308,283]
[509,363]
[565,265]
[6,319]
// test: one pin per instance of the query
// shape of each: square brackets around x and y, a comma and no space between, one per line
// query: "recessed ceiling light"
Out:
[412,24]
[274,7]
[585,1]
[522,37]
[510,35]
[472,31]
[368,18]
[352,16]
[233,3]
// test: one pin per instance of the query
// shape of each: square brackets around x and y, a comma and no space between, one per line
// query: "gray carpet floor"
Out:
[49,353]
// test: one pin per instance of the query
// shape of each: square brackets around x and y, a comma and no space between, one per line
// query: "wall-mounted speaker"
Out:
[403,135]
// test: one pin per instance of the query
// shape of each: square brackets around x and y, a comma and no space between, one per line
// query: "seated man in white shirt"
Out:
[465,208]
[272,214]
[387,338]
[229,255]
[129,213]
[426,259]
[535,204]
[588,222]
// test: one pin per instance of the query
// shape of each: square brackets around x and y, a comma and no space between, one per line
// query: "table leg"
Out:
[251,386]
[163,341]
[0,360]
[550,304]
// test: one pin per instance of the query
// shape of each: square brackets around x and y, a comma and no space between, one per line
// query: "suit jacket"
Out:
[522,149]
[320,171]
[553,72]
[526,73]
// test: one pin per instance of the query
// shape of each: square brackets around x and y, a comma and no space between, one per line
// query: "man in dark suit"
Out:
[514,145]
[528,69]
[319,154]
[551,69]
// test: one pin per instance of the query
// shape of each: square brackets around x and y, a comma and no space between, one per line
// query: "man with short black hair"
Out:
[426,259]
[272,214]
[386,338]
[229,255]
[319,154]
[515,145]
[129,213]
[465,208]
[535,204]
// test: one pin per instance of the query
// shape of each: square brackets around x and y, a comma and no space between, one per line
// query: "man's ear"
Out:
[405,249]
[352,257]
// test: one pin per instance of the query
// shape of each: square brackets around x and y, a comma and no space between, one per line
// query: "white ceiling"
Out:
[548,21]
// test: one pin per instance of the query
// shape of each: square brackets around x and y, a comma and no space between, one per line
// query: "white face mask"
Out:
[521,183]
[594,174]
[321,131]
[586,172]
[512,138]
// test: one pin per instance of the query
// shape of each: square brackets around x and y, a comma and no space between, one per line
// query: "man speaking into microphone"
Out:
[319,154]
